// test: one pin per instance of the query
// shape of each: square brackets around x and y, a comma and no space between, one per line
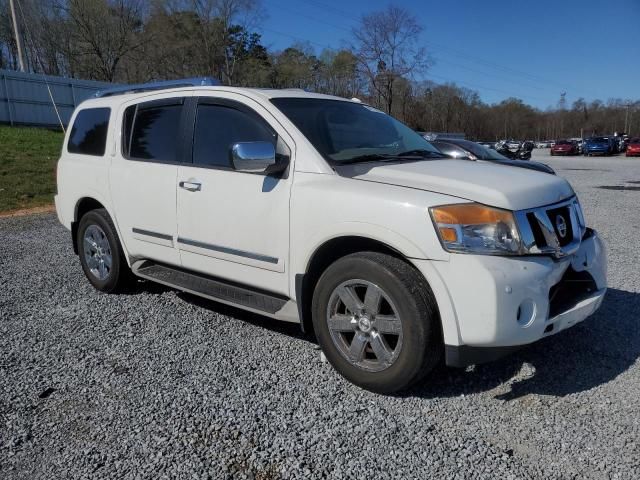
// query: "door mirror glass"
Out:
[253,157]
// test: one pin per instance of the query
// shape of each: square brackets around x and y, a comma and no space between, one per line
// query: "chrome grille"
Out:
[552,230]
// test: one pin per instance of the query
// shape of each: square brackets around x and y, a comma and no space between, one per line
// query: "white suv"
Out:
[324,211]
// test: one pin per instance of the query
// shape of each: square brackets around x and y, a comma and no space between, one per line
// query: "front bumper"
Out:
[502,303]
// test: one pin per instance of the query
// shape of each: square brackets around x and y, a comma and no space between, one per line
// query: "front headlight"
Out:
[476,228]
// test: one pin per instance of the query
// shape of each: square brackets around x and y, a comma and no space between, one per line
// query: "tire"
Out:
[102,243]
[415,348]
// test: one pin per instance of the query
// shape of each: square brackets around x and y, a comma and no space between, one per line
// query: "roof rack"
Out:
[145,87]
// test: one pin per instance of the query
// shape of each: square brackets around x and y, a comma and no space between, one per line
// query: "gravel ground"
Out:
[159,384]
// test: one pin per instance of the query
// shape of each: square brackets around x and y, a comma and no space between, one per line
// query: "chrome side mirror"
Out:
[253,157]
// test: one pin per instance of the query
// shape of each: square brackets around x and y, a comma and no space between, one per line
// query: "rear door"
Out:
[144,175]
[232,224]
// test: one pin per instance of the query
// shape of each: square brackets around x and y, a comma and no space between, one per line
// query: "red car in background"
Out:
[565,147]
[633,149]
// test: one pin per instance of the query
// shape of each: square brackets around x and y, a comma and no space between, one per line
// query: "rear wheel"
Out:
[101,254]
[377,321]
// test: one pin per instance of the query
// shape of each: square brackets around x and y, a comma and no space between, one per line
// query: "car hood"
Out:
[530,164]
[484,182]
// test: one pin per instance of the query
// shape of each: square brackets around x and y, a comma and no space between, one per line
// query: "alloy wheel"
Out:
[364,325]
[97,252]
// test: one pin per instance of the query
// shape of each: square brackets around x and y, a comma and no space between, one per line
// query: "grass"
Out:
[28,158]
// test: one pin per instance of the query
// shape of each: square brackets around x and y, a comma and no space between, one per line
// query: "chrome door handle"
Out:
[191,186]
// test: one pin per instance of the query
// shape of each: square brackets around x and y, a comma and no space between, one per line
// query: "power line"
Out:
[475,86]
[293,37]
[489,64]
[469,85]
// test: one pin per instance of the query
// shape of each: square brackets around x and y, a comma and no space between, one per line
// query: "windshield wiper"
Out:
[390,157]
[421,153]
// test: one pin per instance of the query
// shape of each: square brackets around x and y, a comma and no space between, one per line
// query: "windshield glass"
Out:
[345,132]
[563,142]
[599,140]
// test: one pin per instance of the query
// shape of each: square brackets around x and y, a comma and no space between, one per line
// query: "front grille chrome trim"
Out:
[540,216]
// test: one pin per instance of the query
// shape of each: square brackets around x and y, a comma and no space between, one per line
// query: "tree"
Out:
[103,33]
[295,67]
[386,44]
[221,21]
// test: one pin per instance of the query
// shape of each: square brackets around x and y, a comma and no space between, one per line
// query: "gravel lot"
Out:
[159,384]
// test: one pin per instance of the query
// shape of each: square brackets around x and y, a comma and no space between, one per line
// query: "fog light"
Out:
[526,313]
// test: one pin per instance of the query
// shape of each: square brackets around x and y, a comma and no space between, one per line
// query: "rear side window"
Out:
[89,132]
[151,130]
[218,127]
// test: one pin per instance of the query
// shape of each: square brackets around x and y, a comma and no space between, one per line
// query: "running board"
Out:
[210,287]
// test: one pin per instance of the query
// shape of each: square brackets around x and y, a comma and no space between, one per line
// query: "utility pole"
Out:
[626,119]
[17,32]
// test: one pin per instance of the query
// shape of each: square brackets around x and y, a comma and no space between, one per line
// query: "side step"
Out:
[210,287]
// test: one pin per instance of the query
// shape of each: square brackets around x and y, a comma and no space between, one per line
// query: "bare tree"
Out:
[103,33]
[386,44]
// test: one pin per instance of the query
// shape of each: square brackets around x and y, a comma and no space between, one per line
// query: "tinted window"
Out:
[450,149]
[345,131]
[155,133]
[480,151]
[218,127]
[127,124]
[89,132]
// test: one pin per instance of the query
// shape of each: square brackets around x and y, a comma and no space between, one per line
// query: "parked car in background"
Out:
[597,146]
[633,148]
[543,144]
[464,149]
[439,135]
[564,147]
[523,152]
[579,143]
[512,144]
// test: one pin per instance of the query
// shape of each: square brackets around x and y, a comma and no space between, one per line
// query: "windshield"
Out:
[347,132]
[563,142]
[599,140]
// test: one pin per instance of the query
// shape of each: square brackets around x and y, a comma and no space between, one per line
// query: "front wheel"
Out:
[101,254]
[377,322]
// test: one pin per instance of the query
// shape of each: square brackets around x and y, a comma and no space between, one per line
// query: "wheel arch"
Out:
[83,206]
[324,255]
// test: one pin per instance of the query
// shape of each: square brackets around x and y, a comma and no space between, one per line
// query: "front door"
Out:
[231,224]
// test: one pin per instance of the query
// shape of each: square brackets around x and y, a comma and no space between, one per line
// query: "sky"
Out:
[530,49]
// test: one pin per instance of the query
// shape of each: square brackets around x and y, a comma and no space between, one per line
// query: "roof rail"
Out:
[145,87]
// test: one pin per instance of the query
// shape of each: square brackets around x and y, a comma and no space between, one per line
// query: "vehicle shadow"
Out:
[140,286]
[578,359]
[286,328]
[581,358]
